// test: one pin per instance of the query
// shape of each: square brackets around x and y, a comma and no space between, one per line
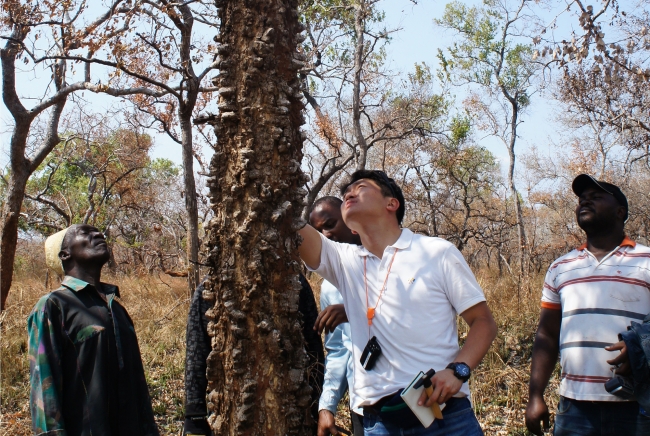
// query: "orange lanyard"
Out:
[371,310]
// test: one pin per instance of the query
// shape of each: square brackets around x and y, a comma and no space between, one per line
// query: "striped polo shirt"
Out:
[598,300]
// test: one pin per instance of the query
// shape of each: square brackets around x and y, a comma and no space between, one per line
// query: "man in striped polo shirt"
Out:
[590,295]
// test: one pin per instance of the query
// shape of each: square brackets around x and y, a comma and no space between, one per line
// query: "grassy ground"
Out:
[500,385]
[159,304]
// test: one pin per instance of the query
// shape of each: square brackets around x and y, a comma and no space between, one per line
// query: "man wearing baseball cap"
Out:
[590,295]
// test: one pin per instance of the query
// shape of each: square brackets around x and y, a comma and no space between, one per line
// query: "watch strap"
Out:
[453,366]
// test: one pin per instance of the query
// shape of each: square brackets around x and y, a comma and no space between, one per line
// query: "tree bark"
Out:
[22,166]
[359,30]
[257,370]
[186,103]
[191,207]
[521,233]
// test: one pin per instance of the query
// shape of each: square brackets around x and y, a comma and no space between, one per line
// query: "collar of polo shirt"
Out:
[402,243]
[627,242]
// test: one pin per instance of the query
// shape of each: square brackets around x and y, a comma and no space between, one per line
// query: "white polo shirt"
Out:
[415,322]
[598,300]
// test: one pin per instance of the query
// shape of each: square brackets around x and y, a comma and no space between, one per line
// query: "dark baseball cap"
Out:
[584,181]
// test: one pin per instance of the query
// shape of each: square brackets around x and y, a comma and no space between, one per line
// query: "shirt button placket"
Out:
[118,342]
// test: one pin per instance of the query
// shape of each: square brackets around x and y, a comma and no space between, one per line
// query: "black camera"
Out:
[622,387]
[370,354]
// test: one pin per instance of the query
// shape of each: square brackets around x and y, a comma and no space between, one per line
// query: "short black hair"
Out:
[328,199]
[387,185]
[69,234]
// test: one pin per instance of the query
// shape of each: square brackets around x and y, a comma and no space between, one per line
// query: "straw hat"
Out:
[52,249]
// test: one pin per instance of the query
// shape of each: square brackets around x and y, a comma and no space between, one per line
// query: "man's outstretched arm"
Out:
[545,351]
[311,246]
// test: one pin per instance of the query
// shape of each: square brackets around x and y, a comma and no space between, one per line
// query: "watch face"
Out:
[462,370]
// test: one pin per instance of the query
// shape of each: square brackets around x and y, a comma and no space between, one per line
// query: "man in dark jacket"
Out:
[198,348]
[85,367]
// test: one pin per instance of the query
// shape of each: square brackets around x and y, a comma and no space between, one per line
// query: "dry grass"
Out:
[500,384]
[158,306]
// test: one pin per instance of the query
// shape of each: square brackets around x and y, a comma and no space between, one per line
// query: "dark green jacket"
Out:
[85,367]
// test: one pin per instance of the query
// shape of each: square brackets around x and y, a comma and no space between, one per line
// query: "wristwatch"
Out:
[461,370]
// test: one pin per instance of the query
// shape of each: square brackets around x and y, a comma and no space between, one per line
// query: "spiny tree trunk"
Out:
[257,368]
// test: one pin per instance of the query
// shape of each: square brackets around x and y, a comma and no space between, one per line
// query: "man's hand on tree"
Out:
[537,412]
[622,361]
[330,318]
[326,424]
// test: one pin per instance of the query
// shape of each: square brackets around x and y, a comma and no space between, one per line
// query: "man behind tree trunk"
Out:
[325,216]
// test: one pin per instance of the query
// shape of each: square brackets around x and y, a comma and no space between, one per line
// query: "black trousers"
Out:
[357,424]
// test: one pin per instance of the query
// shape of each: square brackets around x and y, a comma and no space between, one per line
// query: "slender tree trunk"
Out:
[257,370]
[22,166]
[112,265]
[19,166]
[21,169]
[500,260]
[359,29]
[521,234]
[9,230]
[191,207]
[187,101]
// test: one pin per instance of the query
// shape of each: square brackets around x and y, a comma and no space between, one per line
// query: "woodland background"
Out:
[90,89]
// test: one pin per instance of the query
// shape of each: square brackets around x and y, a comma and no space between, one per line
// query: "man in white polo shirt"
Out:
[591,295]
[404,290]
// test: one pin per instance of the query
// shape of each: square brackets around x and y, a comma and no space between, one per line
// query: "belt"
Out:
[375,409]
[604,403]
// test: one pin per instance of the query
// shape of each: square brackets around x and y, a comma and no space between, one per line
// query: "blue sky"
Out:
[420,40]
[416,42]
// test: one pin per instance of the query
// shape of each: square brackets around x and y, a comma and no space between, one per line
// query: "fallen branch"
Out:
[165,316]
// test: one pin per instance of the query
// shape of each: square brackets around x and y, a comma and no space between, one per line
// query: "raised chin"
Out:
[351,222]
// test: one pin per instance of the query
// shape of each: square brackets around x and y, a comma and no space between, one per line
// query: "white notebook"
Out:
[411,397]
